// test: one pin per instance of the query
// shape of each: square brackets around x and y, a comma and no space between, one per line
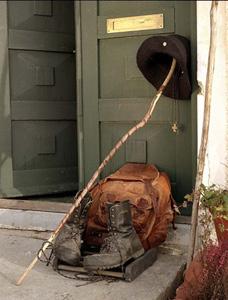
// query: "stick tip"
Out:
[19,281]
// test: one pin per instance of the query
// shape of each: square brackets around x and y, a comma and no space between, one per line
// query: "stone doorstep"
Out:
[45,205]
[158,282]
[19,247]
[24,227]
[29,220]
[38,224]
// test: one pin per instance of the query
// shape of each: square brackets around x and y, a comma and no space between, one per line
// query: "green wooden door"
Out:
[116,96]
[38,107]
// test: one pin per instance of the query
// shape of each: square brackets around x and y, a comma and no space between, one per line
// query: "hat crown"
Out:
[154,58]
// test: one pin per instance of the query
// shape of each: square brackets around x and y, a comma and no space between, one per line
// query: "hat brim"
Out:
[154,58]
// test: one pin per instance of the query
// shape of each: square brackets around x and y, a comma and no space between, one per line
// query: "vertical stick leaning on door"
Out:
[205,129]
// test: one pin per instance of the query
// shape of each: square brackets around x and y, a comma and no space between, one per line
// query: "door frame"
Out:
[88,97]
[79,102]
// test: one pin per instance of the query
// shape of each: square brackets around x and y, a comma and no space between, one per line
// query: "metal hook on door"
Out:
[175,125]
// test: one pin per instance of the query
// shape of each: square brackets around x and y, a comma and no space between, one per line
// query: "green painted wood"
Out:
[195,88]
[43,16]
[42,76]
[132,109]
[45,177]
[124,94]
[41,190]
[123,80]
[35,110]
[43,144]
[90,87]
[127,8]
[186,25]
[78,39]
[6,176]
[43,41]
[40,132]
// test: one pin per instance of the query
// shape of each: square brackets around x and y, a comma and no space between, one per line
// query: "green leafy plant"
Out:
[214,198]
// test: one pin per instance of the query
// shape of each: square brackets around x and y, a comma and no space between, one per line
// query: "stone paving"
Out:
[17,250]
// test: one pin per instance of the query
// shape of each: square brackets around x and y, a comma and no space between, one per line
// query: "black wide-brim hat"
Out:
[154,59]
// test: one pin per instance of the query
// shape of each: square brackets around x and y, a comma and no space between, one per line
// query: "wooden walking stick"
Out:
[78,199]
[205,129]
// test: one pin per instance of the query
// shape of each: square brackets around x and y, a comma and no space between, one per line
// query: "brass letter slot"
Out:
[135,23]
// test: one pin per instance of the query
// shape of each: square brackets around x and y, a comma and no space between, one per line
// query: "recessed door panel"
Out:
[43,144]
[46,16]
[42,76]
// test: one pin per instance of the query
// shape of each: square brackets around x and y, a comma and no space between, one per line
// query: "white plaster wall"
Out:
[215,170]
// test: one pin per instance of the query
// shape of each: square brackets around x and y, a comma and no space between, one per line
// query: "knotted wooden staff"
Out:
[205,128]
[78,199]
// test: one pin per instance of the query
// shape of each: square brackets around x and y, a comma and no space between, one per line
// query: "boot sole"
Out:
[135,255]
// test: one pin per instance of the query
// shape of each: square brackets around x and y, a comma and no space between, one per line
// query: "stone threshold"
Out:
[158,282]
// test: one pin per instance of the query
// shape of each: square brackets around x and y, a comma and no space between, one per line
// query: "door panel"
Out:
[146,145]
[129,83]
[42,98]
[124,94]
[42,76]
[47,16]
[43,144]
[124,8]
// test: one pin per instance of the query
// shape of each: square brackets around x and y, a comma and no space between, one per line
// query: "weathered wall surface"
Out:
[216,170]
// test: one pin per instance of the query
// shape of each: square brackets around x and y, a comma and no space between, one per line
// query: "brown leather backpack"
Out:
[150,196]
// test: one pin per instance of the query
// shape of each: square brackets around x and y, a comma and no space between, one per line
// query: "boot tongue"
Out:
[120,217]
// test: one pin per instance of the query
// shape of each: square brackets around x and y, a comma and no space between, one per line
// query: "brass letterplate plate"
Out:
[135,23]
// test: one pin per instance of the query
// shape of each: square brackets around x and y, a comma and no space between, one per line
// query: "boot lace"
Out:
[111,245]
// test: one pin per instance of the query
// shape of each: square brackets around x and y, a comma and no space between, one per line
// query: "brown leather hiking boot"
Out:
[67,244]
[122,242]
